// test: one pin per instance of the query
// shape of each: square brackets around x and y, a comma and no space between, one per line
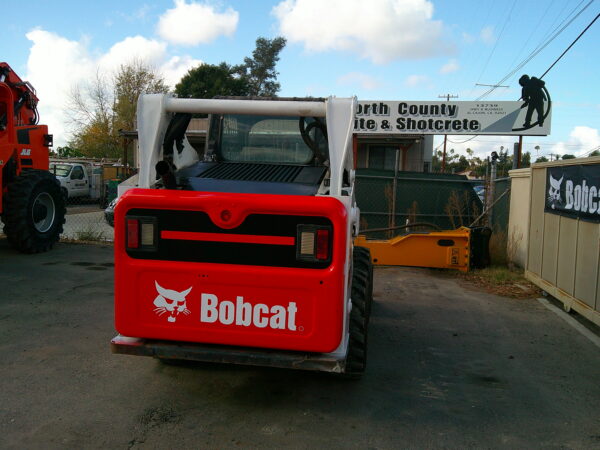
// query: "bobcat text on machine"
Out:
[31,205]
[247,255]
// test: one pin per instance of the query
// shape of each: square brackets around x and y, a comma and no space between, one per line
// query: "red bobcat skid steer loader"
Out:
[245,256]
[31,205]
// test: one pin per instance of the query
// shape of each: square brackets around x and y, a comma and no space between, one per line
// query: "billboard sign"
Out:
[468,118]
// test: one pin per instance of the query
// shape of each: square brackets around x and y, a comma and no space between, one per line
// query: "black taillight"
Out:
[313,243]
[142,233]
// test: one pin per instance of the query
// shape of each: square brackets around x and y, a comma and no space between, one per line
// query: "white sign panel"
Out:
[485,117]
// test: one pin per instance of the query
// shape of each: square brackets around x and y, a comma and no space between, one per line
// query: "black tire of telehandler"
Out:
[18,218]
[356,360]
[362,260]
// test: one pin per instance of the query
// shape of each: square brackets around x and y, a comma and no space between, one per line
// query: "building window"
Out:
[381,157]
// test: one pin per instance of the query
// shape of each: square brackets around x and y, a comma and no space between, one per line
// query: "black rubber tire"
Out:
[18,215]
[362,261]
[356,360]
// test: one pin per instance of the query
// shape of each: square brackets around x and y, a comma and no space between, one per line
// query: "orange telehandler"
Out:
[32,206]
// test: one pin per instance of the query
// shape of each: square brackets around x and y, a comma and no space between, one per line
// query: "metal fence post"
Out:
[492,190]
[392,220]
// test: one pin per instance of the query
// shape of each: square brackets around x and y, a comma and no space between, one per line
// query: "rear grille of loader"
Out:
[275,173]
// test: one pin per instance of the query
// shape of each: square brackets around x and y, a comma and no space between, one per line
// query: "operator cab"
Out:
[257,154]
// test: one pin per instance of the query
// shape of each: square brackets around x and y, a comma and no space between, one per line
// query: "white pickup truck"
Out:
[78,179]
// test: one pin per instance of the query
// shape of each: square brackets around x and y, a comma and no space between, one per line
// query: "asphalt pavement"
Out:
[449,367]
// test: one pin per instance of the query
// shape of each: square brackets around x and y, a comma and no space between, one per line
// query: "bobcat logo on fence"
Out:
[170,302]
[554,198]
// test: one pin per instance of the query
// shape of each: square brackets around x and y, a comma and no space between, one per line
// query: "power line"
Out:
[569,47]
[536,51]
[589,152]
[467,140]
[484,140]
[533,31]
[497,41]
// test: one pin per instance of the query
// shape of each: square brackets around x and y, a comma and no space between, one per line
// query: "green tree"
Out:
[568,156]
[595,153]
[208,81]
[541,159]
[130,81]
[66,152]
[259,71]
[106,105]
[462,164]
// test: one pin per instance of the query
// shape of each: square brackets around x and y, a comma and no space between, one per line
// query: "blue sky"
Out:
[376,50]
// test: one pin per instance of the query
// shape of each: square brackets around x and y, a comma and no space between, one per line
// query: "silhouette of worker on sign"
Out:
[532,93]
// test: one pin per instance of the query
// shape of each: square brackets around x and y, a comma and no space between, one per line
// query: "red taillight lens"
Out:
[313,243]
[322,247]
[133,233]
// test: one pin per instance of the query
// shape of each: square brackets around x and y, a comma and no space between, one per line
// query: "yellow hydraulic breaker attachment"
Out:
[459,249]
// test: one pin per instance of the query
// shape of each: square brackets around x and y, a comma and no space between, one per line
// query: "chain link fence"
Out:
[85,221]
[88,187]
[413,201]
[391,203]
[497,218]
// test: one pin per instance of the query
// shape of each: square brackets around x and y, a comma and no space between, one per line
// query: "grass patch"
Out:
[501,280]
[500,275]
[91,235]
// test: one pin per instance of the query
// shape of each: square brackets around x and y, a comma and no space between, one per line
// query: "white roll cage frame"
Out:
[154,112]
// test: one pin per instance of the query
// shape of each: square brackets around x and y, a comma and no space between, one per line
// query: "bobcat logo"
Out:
[554,192]
[171,302]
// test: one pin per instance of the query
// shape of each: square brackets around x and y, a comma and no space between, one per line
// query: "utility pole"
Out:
[492,183]
[447,97]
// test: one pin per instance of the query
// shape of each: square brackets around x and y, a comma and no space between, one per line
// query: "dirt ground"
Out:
[449,366]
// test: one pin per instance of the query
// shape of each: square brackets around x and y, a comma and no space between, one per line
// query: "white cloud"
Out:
[148,50]
[450,66]
[416,80]
[487,35]
[56,65]
[365,81]
[196,23]
[176,67]
[379,30]
[467,38]
[142,12]
[581,141]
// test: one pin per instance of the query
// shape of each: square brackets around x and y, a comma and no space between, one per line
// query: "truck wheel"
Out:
[356,360]
[364,268]
[34,211]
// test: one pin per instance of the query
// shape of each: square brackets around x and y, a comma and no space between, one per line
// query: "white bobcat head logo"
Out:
[171,302]
[554,192]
